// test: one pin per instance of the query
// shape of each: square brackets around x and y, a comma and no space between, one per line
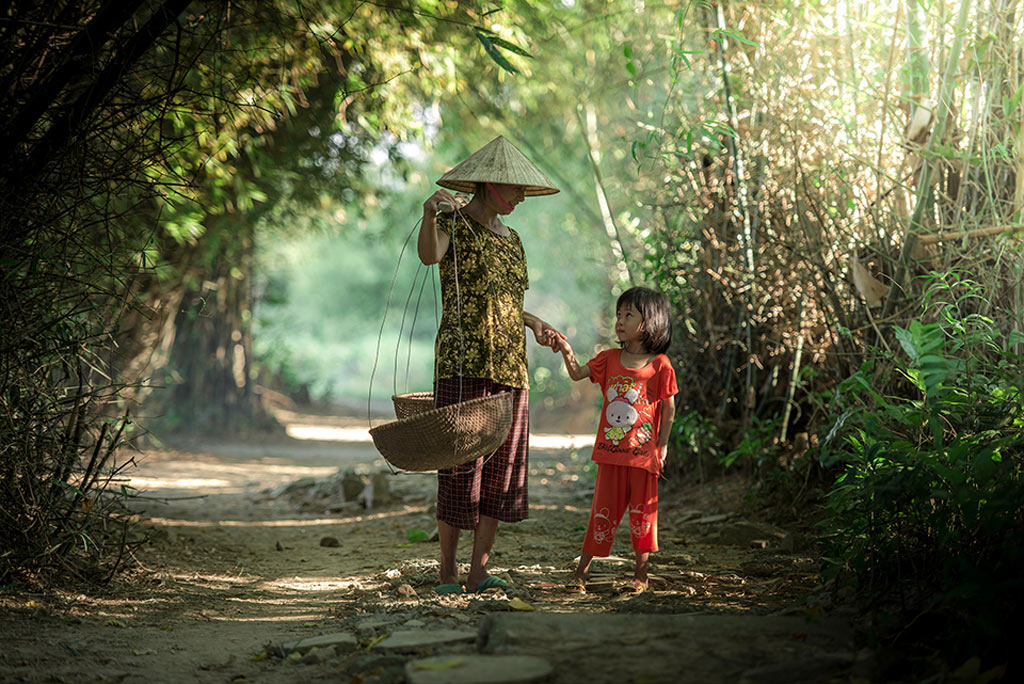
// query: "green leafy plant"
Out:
[927,515]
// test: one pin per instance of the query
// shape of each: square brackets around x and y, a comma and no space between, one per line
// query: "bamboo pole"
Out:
[588,125]
[924,186]
[742,212]
[969,234]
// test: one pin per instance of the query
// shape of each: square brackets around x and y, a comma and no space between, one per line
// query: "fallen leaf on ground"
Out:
[519,604]
[113,623]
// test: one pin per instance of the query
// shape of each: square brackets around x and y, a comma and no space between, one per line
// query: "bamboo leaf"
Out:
[511,47]
[494,53]
[735,35]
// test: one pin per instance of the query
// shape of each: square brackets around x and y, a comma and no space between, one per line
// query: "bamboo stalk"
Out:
[794,376]
[969,234]
[588,125]
[924,187]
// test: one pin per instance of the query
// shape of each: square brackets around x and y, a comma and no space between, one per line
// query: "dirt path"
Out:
[252,548]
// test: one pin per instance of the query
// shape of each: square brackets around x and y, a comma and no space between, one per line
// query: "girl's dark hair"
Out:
[656,311]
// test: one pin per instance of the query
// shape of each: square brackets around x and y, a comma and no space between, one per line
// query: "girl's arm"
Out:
[668,414]
[576,371]
[432,242]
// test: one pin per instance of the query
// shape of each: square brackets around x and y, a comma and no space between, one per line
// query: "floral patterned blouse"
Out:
[483,282]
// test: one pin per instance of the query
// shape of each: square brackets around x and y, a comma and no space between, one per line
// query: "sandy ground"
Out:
[238,564]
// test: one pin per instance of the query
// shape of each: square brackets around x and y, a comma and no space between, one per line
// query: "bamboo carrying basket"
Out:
[445,437]
[411,403]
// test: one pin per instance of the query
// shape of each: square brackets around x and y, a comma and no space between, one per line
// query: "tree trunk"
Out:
[208,369]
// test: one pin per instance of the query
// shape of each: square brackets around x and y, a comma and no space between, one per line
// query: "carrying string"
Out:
[457,470]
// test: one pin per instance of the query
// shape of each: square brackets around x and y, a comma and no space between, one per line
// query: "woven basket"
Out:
[412,403]
[448,436]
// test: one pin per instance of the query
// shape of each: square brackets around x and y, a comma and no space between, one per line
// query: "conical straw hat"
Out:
[499,161]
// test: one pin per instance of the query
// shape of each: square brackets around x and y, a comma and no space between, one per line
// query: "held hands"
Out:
[547,336]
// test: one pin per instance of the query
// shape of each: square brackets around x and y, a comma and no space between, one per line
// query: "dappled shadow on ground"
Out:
[241,560]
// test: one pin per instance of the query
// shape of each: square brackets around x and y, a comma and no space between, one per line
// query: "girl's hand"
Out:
[662,456]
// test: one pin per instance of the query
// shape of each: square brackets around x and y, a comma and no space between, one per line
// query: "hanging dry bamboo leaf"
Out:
[871,289]
[916,132]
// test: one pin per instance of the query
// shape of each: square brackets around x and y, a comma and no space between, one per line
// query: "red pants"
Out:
[620,489]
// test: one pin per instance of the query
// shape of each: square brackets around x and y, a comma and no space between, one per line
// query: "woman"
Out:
[481,343]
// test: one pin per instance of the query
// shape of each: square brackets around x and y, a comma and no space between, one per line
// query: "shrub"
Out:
[927,515]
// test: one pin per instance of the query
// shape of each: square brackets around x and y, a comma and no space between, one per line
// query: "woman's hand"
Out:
[434,203]
[432,243]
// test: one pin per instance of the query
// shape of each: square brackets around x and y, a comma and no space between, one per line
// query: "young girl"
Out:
[639,388]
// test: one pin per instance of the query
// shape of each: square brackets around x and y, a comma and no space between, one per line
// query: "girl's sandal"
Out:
[633,586]
[576,586]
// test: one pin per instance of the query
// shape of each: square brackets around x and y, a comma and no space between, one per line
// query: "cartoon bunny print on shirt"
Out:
[621,414]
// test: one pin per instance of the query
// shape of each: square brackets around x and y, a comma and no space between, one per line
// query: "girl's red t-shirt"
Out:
[631,415]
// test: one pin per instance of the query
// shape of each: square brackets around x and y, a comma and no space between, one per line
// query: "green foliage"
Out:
[928,512]
[322,293]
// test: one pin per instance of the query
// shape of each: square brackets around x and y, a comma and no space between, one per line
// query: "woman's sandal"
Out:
[576,586]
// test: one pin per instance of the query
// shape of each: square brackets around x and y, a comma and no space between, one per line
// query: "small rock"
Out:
[374,661]
[369,626]
[477,669]
[353,485]
[279,546]
[314,657]
[414,624]
[416,639]
[686,516]
[406,591]
[709,519]
[339,640]
[759,543]
[292,487]
[330,542]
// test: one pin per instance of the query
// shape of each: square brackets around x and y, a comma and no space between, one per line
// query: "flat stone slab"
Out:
[343,639]
[477,669]
[709,649]
[409,640]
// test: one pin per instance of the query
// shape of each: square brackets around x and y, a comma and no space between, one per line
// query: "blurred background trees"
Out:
[206,202]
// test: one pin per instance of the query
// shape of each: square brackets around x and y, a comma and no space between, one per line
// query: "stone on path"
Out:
[411,640]
[477,669]
[340,641]
[709,649]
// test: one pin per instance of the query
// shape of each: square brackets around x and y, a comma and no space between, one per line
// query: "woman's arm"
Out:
[432,242]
